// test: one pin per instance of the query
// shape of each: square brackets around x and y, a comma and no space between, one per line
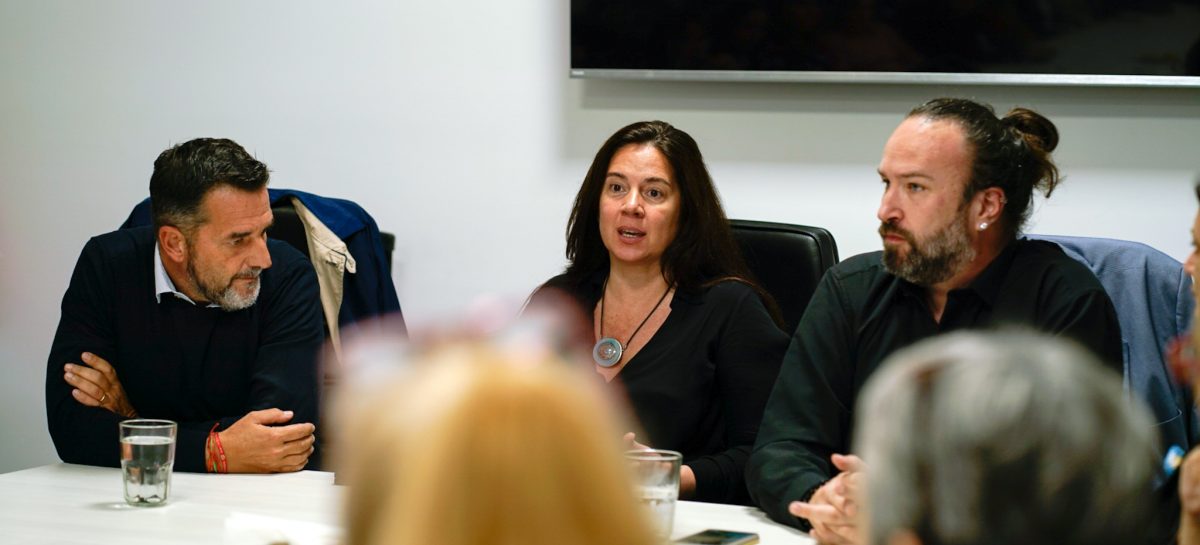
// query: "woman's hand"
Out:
[631,442]
[687,482]
[687,479]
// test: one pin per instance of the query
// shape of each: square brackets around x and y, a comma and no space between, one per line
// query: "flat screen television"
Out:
[1102,42]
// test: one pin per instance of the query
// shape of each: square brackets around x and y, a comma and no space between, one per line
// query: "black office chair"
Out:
[788,261]
[290,229]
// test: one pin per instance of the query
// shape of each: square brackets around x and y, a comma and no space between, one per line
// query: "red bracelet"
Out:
[221,452]
[221,464]
[210,452]
[210,461]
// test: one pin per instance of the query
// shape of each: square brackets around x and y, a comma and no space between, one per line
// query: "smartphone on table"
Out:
[719,537]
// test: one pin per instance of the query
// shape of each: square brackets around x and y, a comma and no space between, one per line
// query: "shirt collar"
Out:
[163,283]
[987,285]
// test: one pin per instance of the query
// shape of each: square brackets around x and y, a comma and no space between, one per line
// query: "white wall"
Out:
[455,125]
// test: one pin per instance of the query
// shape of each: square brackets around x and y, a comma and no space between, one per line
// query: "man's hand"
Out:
[833,508]
[95,385]
[255,444]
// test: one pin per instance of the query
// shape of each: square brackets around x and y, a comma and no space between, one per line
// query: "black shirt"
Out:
[860,314]
[700,383]
[179,361]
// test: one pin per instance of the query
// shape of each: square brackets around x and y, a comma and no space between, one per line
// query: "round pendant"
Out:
[607,352]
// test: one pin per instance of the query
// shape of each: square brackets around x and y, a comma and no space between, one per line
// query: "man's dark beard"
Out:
[932,261]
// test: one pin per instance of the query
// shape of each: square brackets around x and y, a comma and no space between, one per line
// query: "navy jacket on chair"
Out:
[1152,295]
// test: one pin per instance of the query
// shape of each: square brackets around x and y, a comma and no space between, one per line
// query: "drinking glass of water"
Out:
[656,481]
[147,455]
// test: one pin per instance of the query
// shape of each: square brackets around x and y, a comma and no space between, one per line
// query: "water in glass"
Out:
[660,501]
[146,463]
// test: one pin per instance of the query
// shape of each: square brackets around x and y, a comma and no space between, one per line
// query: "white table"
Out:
[692,517]
[66,504]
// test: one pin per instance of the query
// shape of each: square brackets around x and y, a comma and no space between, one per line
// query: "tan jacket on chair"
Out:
[331,260]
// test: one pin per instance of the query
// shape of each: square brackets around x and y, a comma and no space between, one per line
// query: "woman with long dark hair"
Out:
[677,321]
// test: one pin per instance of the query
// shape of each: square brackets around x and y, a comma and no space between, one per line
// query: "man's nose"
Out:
[888,211]
[260,257]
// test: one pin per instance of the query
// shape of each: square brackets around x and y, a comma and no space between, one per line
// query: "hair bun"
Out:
[1036,129]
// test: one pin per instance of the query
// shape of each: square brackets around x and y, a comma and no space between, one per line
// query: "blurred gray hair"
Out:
[1001,438]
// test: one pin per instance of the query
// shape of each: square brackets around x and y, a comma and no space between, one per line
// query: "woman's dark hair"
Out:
[1011,153]
[184,174]
[704,251]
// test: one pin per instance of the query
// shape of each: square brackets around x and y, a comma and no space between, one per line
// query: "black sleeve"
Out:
[749,352]
[1090,319]
[82,434]
[807,417]
[285,374]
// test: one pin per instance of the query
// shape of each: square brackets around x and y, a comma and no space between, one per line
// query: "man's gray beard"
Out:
[228,299]
[935,260]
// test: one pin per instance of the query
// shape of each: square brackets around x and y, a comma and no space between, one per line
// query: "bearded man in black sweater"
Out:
[200,319]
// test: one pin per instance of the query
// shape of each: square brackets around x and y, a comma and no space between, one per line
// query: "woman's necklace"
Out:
[608,350]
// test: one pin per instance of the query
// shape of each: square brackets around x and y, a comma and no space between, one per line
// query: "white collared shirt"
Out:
[163,283]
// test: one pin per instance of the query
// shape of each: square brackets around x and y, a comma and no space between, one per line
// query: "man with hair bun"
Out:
[958,183]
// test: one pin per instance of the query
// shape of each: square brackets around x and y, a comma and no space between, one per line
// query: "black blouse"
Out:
[700,383]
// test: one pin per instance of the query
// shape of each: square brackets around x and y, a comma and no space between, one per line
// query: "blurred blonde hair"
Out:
[478,444]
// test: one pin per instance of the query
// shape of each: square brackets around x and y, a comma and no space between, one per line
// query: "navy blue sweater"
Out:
[176,360]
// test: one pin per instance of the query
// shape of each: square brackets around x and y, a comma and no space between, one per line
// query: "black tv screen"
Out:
[1129,40]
